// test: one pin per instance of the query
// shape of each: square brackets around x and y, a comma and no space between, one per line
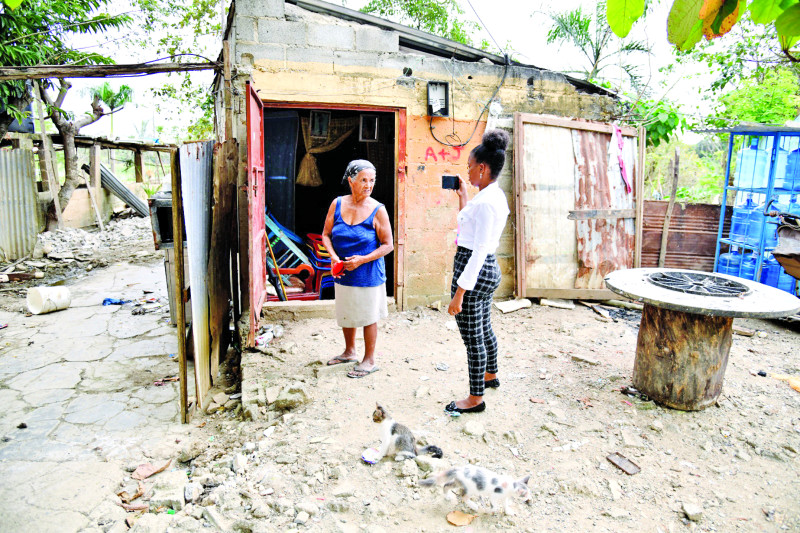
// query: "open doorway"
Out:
[306,152]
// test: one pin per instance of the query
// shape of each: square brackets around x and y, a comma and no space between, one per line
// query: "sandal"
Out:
[339,360]
[492,383]
[360,373]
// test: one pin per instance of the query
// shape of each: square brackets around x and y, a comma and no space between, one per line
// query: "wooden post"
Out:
[179,303]
[681,357]
[94,166]
[137,165]
[662,254]
[47,149]
[94,203]
[639,190]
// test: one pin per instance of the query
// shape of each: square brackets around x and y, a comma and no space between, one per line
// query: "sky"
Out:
[521,24]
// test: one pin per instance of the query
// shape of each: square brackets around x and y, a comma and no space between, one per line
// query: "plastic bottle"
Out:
[728,263]
[791,180]
[770,271]
[780,168]
[740,220]
[755,225]
[793,207]
[748,270]
[752,169]
[771,225]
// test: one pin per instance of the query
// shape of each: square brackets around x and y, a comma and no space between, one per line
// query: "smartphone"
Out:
[450,182]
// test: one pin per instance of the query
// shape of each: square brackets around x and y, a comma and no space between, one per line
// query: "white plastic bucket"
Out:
[43,300]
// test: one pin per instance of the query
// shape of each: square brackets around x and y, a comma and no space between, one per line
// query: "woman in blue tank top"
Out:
[358,234]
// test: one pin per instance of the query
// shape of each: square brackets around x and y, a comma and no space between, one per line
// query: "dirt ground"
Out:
[732,467]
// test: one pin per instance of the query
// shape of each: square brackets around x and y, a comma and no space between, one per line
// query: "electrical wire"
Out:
[478,118]
[484,26]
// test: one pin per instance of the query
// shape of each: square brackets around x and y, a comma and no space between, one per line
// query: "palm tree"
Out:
[115,100]
[591,34]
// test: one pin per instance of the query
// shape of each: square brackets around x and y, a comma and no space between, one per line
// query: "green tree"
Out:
[440,17]
[691,20]
[36,32]
[184,31]
[115,100]
[772,98]
[592,36]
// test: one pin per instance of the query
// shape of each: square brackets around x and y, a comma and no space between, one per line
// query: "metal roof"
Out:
[428,42]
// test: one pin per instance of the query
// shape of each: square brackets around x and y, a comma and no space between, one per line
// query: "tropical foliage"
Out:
[691,20]
[591,34]
[440,17]
[771,97]
[35,32]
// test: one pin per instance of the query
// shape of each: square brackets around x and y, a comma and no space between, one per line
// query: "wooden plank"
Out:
[572,294]
[519,218]
[47,149]
[586,214]
[575,124]
[137,165]
[639,191]
[548,194]
[662,254]
[99,71]
[179,303]
[94,203]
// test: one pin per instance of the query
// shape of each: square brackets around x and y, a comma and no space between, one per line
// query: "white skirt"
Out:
[360,306]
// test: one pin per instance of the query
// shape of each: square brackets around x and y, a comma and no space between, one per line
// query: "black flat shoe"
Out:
[451,408]
[492,383]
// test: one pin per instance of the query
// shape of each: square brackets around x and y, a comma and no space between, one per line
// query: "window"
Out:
[319,123]
[369,128]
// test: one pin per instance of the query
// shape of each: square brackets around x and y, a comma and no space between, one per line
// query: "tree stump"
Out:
[681,357]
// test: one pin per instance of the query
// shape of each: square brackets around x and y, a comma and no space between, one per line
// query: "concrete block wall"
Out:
[295,55]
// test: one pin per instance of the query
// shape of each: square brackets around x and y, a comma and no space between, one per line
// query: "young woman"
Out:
[475,272]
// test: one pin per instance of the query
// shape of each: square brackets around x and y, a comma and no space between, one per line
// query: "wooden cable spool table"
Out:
[687,326]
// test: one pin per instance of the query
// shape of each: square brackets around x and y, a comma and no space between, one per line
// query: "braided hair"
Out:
[492,151]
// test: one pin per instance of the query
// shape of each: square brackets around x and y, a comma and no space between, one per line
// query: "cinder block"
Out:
[348,58]
[281,32]
[245,29]
[370,39]
[260,8]
[274,52]
[310,55]
[331,37]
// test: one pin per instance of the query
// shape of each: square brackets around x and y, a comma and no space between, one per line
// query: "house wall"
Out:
[293,55]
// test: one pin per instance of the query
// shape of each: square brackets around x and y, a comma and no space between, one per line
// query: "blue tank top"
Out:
[358,239]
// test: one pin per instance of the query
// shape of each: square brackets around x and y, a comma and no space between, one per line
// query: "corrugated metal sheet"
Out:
[547,198]
[692,234]
[568,169]
[196,162]
[19,210]
[604,245]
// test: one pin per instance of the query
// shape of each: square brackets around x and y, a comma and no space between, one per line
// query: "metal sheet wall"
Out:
[196,163]
[19,210]
[692,234]
[576,215]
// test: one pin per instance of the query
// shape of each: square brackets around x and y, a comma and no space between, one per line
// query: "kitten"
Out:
[397,439]
[476,481]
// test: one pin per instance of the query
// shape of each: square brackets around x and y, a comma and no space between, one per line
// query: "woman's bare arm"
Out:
[328,230]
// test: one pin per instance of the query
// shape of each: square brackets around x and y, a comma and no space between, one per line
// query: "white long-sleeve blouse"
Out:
[480,225]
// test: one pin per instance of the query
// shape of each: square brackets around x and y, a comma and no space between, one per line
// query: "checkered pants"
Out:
[475,319]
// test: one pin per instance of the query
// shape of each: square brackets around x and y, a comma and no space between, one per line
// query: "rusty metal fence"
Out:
[19,211]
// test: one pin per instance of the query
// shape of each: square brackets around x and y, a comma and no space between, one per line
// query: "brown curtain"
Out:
[338,130]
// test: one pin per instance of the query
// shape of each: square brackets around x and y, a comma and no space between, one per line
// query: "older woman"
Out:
[358,234]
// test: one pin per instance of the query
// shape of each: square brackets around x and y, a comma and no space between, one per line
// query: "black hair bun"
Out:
[495,140]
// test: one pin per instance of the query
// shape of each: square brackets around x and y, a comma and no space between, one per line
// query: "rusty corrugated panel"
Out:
[692,234]
[196,160]
[19,210]
[603,244]
[548,195]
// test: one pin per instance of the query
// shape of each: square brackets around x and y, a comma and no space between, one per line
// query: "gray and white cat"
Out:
[397,439]
[479,482]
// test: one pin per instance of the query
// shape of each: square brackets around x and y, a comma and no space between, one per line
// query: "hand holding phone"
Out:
[450,182]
